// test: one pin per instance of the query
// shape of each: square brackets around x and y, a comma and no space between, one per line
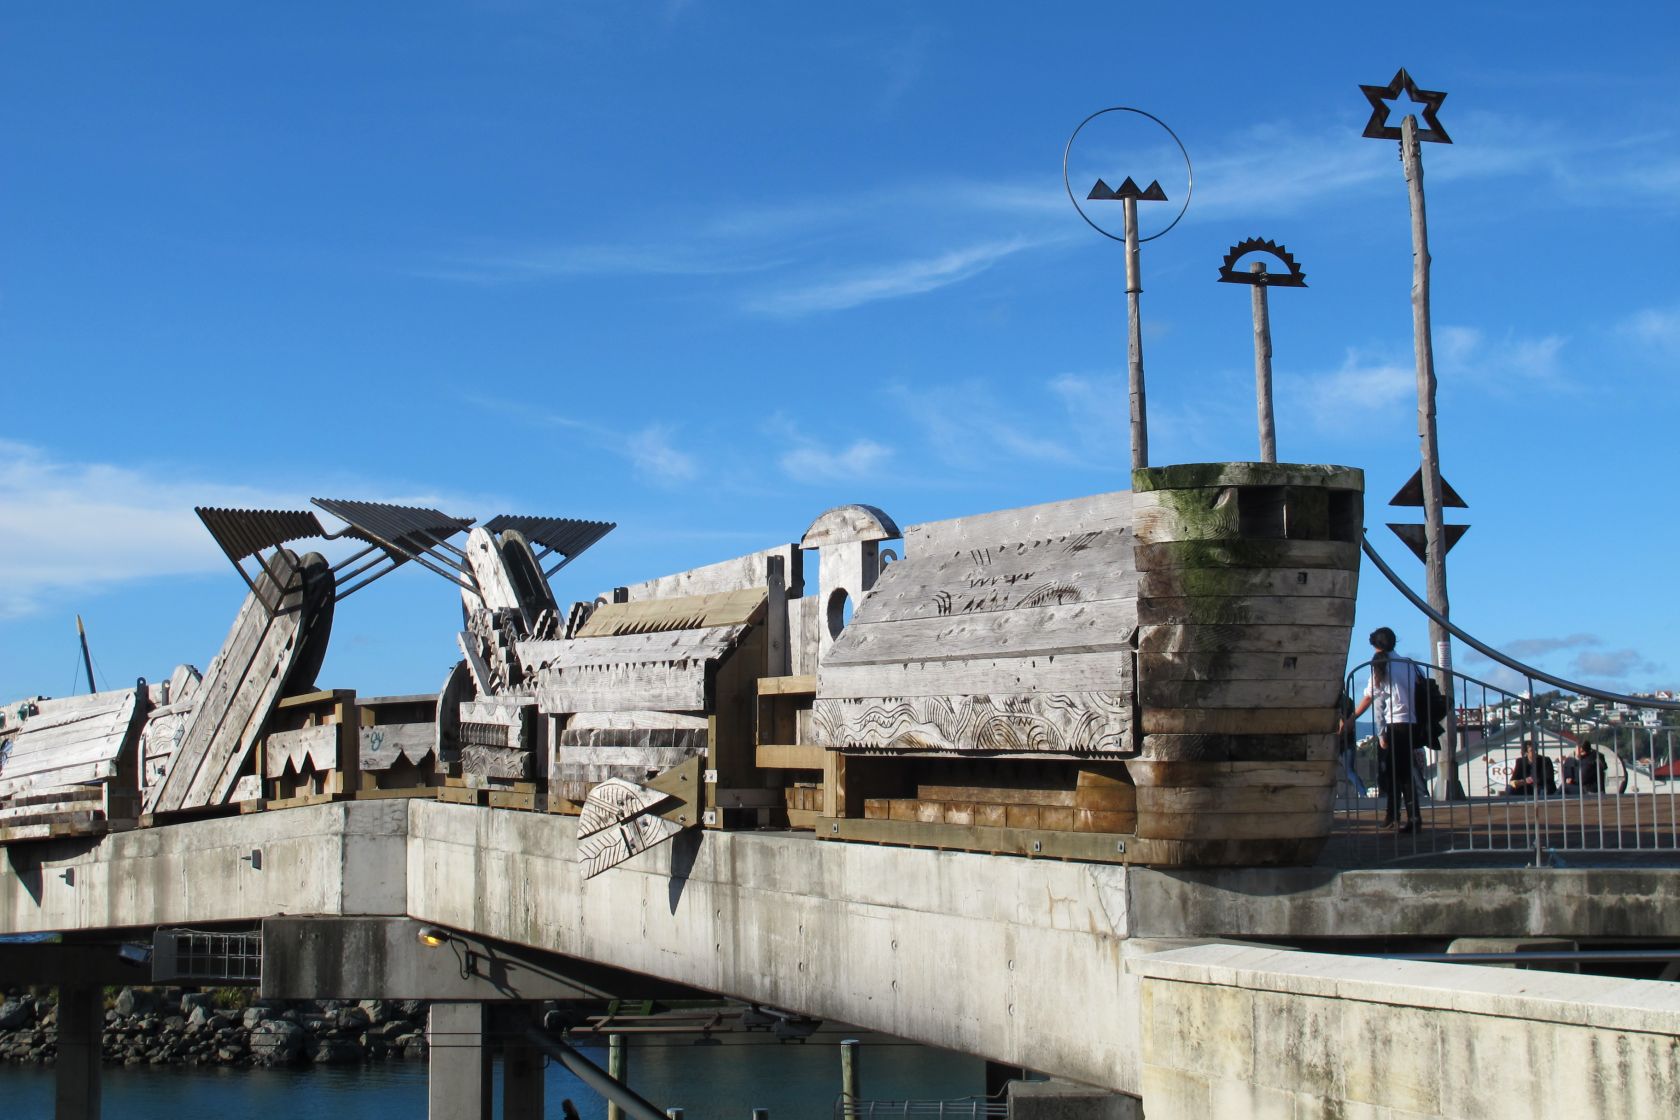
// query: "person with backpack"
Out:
[1392,692]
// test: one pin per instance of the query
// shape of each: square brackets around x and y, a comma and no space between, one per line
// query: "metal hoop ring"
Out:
[1189,172]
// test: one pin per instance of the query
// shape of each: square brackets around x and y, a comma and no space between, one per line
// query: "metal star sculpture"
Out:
[1378,128]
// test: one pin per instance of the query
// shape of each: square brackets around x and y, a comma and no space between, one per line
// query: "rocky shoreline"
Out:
[172,1027]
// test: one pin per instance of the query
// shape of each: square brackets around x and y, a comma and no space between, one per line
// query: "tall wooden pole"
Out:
[87,658]
[617,1061]
[1134,348]
[1434,535]
[1263,365]
[849,1075]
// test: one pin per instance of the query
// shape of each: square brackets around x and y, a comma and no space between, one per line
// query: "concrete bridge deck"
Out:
[1021,961]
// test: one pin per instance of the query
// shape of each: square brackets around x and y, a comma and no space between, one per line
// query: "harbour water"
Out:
[726,1081]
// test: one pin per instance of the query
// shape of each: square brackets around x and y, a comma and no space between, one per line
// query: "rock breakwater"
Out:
[171,1027]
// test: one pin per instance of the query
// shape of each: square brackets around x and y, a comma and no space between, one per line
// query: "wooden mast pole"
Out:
[87,658]
[1134,347]
[1434,534]
[1263,364]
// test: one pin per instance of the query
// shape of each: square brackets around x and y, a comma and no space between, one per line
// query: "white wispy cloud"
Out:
[84,526]
[653,451]
[654,454]
[1468,352]
[859,459]
[1355,392]
[1655,327]
[858,286]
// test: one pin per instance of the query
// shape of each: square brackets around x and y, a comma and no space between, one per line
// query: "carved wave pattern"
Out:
[1082,722]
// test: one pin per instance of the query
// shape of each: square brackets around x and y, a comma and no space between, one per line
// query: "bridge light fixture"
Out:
[433,936]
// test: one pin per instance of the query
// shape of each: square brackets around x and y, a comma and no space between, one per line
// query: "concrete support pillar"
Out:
[522,1065]
[81,1022]
[458,1069]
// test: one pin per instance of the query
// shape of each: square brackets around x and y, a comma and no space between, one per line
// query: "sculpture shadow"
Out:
[685,849]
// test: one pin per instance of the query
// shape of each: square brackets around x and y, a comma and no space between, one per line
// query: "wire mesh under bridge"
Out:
[962,1107]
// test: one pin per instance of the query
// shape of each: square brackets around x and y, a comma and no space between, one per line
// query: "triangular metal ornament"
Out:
[1101,192]
[1411,494]
[613,802]
[1415,538]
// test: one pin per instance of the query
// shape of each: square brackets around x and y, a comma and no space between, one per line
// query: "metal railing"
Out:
[961,1108]
[1477,794]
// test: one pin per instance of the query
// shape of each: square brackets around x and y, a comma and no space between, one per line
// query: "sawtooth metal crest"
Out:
[1294,278]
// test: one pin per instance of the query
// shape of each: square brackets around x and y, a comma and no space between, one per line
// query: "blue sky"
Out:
[706,270]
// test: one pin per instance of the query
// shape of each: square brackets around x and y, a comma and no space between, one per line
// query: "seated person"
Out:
[1584,773]
[1533,775]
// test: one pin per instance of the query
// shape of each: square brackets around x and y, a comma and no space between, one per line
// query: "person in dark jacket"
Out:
[1533,775]
[1584,773]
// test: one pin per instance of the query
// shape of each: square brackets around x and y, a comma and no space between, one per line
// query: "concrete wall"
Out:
[1020,961]
[1014,960]
[1244,1031]
[346,858]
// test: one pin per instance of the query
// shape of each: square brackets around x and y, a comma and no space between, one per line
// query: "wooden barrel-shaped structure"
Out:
[1247,576]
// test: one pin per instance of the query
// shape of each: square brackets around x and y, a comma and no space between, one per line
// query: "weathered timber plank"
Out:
[1186,515]
[489,572]
[484,681]
[253,651]
[695,644]
[686,738]
[802,685]
[583,721]
[625,688]
[1240,666]
[1031,722]
[1082,568]
[1180,476]
[1174,582]
[996,795]
[684,613]
[738,574]
[611,847]
[1245,694]
[1231,774]
[1238,721]
[1260,800]
[314,748]
[1270,852]
[804,638]
[293,658]
[1108,671]
[384,744]
[1246,610]
[790,756]
[1031,842]
[66,711]
[1180,638]
[1246,554]
[496,762]
[1239,748]
[1232,826]
[1095,514]
[1023,632]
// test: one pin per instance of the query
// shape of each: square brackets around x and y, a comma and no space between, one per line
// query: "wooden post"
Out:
[1434,535]
[616,1061]
[1263,364]
[848,1076]
[1134,348]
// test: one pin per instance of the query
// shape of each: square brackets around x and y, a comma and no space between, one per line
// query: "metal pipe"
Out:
[1505,659]
[634,1105]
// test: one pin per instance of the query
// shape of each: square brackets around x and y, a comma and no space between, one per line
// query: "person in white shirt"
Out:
[1389,691]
